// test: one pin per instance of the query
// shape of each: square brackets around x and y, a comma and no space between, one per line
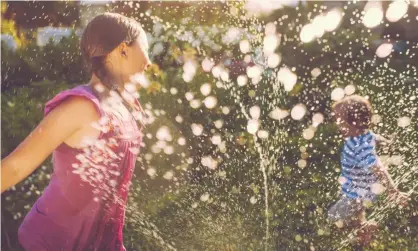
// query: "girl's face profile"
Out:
[137,59]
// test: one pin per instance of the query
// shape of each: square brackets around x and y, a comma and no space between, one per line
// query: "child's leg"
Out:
[350,213]
[366,230]
[357,219]
[345,213]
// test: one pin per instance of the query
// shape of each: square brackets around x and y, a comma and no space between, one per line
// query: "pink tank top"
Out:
[83,207]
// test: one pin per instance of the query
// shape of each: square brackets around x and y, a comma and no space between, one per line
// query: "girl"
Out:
[94,137]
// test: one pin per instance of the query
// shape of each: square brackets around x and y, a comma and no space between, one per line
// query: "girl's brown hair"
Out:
[355,110]
[101,36]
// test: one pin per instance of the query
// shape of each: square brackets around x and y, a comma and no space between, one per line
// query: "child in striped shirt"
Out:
[363,176]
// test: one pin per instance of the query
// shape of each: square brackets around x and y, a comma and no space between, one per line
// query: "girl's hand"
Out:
[398,197]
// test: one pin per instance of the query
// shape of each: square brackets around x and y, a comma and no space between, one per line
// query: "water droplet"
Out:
[151,172]
[262,134]
[130,88]
[197,129]
[342,180]
[148,156]
[255,112]
[157,49]
[173,91]
[222,147]
[384,50]
[224,76]
[216,139]
[207,65]
[164,134]
[189,96]
[270,29]
[168,150]
[168,175]
[209,162]
[196,103]
[333,19]
[219,123]
[339,224]
[308,133]
[349,89]
[302,163]
[134,150]
[244,46]
[404,122]
[397,9]
[99,87]
[204,197]
[377,188]
[181,141]
[216,71]
[373,14]
[252,126]
[242,80]
[113,183]
[205,89]
[189,68]
[273,60]
[140,79]
[210,102]
[179,119]
[337,94]
[254,71]
[317,119]
[396,160]
[287,78]
[376,119]
[307,33]
[319,23]
[278,114]
[315,72]
[270,44]
[298,112]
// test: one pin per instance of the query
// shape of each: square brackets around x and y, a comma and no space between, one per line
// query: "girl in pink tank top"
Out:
[95,137]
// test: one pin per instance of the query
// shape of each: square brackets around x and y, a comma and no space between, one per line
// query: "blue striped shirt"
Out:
[357,159]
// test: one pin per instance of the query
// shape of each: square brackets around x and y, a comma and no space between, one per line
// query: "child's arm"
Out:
[381,171]
[385,179]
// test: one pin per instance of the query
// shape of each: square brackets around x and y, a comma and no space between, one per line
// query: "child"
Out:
[363,176]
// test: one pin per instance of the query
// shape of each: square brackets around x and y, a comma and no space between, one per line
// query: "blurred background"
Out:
[242,153]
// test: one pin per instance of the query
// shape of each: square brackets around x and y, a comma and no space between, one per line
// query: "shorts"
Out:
[346,209]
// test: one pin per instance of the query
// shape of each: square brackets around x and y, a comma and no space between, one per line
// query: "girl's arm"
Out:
[382,173]
[386,180]
[70,116]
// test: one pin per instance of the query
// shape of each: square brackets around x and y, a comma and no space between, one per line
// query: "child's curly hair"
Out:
[355,110]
